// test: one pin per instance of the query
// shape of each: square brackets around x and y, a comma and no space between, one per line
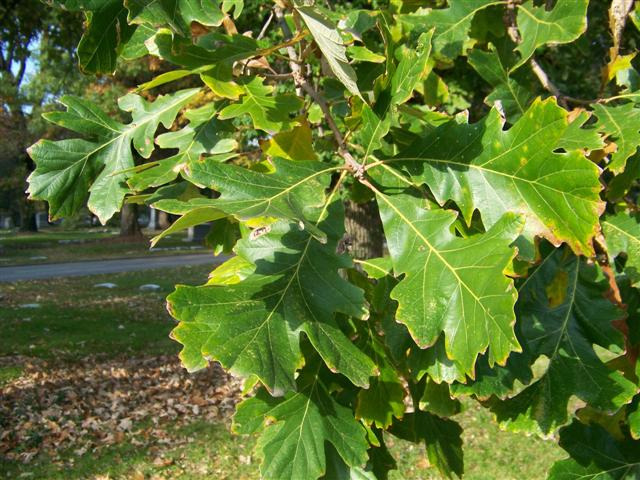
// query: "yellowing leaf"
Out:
[296,144]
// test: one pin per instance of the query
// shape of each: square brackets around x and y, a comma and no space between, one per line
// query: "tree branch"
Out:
[21,72]
[538,71]
[301,81]
[265,26]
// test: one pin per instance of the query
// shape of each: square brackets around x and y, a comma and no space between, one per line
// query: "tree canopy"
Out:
[495,144]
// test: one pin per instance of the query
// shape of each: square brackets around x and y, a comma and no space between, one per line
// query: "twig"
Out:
[278,76]
[543,78]
[301,81]
[265,26]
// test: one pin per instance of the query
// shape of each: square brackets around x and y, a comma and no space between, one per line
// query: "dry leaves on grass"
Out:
[94,403]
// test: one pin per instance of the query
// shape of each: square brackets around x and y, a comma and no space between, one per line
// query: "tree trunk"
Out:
[129,226]
[27,216]
[164,221]
[365,238]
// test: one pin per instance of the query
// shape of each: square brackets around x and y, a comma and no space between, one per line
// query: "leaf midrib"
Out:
[432,249]
[132,127]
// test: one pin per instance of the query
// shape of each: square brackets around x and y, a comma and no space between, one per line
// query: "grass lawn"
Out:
[53,246]
[84,338]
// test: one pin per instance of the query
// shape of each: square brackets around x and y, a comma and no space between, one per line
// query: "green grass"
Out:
[200,451]
[44,247]
[207,450]
[10,373]
[76,320]
[14,238]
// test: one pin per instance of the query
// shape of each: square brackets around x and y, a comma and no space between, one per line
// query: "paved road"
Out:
[95,267]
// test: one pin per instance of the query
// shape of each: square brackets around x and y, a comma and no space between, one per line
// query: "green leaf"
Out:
[411,70]
[135,47]
[384,399]
[484,167]
[622,232]
[271,113]
[596,455]
[175,14]
[513,94]
[436,398]
[575,137]
[452,25]
[620,124]
[252,328]
[204,137]
[564,23]
[562,312]
[236,5]
[233,271]
[338,470]
[164,78]
[435,363]
[452,285]
[220,80]
[106,29]
[373,130]
[328,39]
[218,49]
[65,169]
[192,218]
[621,183]
[633,417]
[223,236]
[363,54]
[292,444]
[294,192]
[442,438]
[498,381]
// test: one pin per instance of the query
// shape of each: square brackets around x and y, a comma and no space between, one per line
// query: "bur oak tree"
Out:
[484,154]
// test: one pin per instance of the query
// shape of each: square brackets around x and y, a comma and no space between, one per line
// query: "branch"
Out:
[265,26]
[21,72]
[301,81]
[512,30]
[544,80]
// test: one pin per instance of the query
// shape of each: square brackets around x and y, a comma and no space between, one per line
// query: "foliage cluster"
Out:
[509,215]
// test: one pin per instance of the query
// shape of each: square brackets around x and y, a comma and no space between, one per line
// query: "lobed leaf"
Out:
[620,125]
[268,112]
[452,285]
[252,327]
[67,169]
[452,25]
[563,313]
[483,167]
[292,445]
[564,23]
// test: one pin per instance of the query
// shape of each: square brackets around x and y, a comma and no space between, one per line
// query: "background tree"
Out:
[37,64]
